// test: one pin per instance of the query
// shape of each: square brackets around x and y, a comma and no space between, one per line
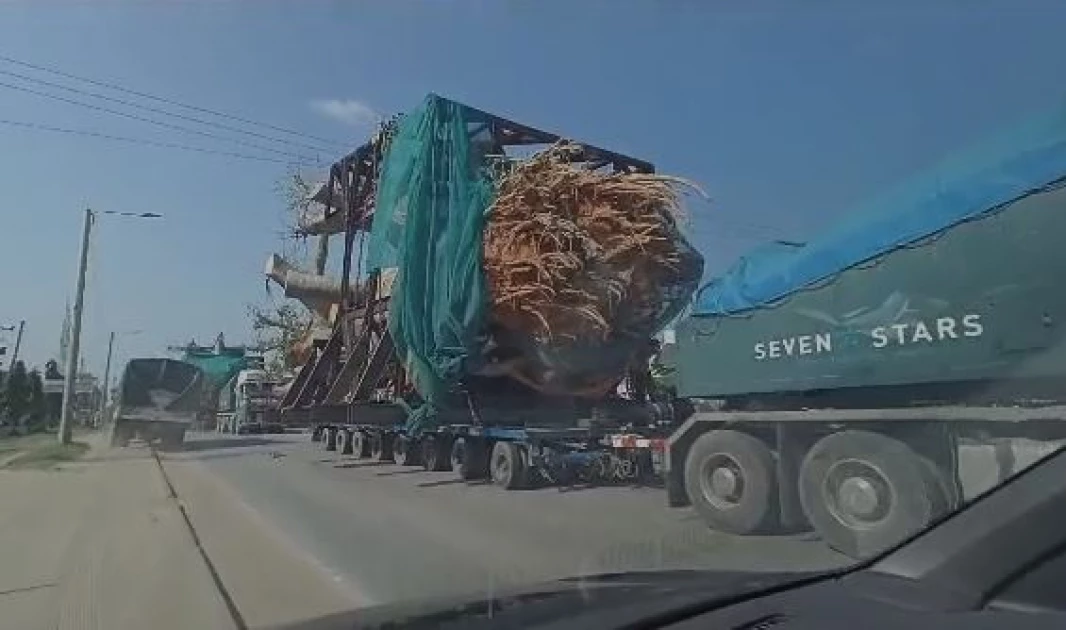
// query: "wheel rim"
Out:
[457,455]
[857,493]
[399,451]
[429,454]
[722,481]
[501,468]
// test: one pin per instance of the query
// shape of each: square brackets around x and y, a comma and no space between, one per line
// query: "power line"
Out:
[159,99]
[143,141]
[159,110]
[152,121]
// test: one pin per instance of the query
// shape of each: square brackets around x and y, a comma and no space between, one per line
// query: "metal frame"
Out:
[359,355]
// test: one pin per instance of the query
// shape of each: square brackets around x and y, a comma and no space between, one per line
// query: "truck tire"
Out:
[344,441]
[381,447]
[316,433]
[360,444]
[469,459]
[508,466]
[171,437]
[406,451]
[731,480]
[865,491]
[120,435]
[329,438]
[435,453]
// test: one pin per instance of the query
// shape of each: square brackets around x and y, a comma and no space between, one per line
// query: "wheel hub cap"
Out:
[859,497]
[722,481]
[857,493]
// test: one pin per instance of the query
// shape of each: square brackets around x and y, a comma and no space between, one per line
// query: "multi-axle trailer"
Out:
[832,386]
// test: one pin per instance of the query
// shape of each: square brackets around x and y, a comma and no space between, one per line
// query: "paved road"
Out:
[387,533]
[393,533]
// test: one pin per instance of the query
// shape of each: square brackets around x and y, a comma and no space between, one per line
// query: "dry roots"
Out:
[571,253]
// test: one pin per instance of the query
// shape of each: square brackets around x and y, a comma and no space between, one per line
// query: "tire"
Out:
[381,447]
[119,435]
[864,491]
[360,444]
[344,442]
[406,451]
[316,433]
[329,438]
[508,466]
[469,459]
[435,453]
[171,437]
[731,480]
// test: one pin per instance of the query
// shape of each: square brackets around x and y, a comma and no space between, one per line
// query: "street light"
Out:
[107,367]
[75,329]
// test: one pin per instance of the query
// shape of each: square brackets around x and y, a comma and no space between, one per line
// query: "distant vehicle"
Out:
[158,400]
[251,404]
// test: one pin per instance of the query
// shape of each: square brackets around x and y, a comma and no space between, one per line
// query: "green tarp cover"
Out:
[218,368]
[431,203]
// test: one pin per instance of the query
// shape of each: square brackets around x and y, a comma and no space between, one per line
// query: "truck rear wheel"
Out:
[435,453]
[171,437]
[406,451]
[864,491]
[381,447]
[731,480]
[508,466]
[360,444]
[344,442]
[469,459]
[120,435]
[329,438]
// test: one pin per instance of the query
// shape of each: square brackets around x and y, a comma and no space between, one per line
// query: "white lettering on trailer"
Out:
[934,331]
[920,332]
[802,345]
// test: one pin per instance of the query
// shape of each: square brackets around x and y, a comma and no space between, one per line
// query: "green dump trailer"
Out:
[834,381]
[158,400]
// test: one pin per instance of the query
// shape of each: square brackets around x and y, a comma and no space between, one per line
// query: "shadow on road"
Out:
[359,464]
[452,482]
[193,446]
[412,471]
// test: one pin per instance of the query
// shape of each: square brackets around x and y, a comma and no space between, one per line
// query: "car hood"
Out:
[608,600]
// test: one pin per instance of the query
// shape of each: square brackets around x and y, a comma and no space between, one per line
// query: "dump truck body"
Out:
[834,381]
[158,399]
[978,304]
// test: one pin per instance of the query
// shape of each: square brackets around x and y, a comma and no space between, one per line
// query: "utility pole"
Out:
[18,342]
[69,386]
[107,376]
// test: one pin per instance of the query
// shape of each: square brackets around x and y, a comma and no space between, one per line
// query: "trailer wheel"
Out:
[344,441]
[120,436]
[731,481]
[864,491]
[381,447]
[469,459]
[435,453]
[406,451]
[171,437]
[360,444]
[508,466]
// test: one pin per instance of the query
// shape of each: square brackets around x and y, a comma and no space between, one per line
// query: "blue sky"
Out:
[787,113]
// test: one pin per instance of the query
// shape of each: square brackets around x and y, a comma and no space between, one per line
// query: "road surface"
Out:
[391,533]
[384,533]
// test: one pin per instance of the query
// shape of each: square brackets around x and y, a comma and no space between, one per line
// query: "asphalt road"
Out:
[389,533]
[392,533]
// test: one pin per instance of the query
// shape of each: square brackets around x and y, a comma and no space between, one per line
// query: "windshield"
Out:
[387,301]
